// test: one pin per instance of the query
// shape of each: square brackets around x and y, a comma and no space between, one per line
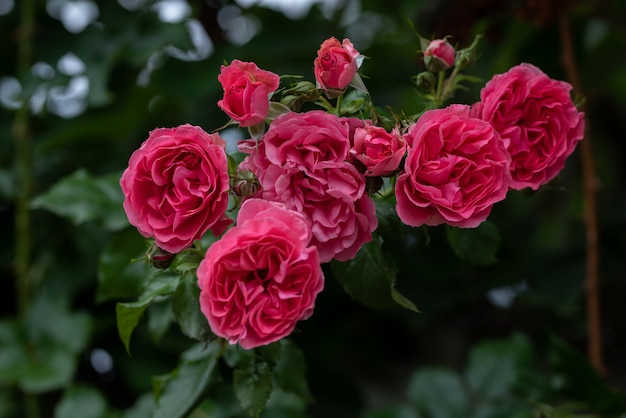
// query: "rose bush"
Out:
[335,65]
[176,186]
[456,169]
[261,277]
[246,92]
[536,119]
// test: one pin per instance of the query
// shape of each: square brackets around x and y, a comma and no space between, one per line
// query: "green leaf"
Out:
[128,314]
[187,260]
[186,307]
[159,318]
[257,131]
[81,197]
[81,401]
[276,109]
[253,386]
[119,276]
[52,368]
[475,245]
[13,359]
[184,389]
[494,367]
[290,371]
[581,381]
[438,393]
[370,277]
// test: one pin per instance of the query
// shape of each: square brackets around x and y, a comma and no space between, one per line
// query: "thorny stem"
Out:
[22,136]
[592,280]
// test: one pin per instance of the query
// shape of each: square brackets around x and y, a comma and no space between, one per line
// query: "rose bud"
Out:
[439,55]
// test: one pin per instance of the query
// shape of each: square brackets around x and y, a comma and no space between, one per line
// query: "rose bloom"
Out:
[439,55]
[342,216]
[309,141]
[536,119]
[456,169]
[261,277]
[378,150]
[176,186]
[247,89]
[335,65]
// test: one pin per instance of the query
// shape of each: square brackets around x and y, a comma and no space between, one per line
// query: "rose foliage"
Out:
[253,228]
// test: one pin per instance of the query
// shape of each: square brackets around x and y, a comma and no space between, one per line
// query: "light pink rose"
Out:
[261,277]
[176,186]
[536,119]
[378,150]
[456,169]
[246,92]
[335,65]
[439,55]
[308,141]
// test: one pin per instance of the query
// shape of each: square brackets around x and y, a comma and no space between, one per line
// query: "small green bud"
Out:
[425,80]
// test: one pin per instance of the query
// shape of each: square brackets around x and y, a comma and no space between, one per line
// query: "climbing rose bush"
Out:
[307,187]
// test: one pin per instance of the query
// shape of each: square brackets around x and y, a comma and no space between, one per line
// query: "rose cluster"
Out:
[304,184]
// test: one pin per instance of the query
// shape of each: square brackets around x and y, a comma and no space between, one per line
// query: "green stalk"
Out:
[22,136]
[23,165]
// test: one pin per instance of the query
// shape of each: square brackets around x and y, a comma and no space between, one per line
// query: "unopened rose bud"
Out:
[439,55]
[425,80]
[158,257]
[245,184]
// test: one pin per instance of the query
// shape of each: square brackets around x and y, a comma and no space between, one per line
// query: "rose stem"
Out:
[23,137]
[592,282]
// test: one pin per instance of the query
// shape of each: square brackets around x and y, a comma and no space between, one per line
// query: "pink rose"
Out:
[301,162]
[309,141]
[342,217]
[439,55]
[335,65]
[378,150]
[247,89]
[536,119]
[261,277]
[456,169]
[176,186]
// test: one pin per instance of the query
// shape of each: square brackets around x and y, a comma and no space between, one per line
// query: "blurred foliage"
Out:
[501,331]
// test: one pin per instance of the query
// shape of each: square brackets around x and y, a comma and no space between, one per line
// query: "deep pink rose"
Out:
[456,169]
[308,172]
[439,55]
[261,277]
[378,150]
[246,92]
[176,186]
[341,215]
[335,65]
[537,120]
[308,141]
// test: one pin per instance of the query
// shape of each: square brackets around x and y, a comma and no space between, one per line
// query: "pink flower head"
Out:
[261,277]
[439,55]
[309,141]
[537,121]
[335,65]
[247,89]
[301,162]
[378,150]
[176,186]
[456,169]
